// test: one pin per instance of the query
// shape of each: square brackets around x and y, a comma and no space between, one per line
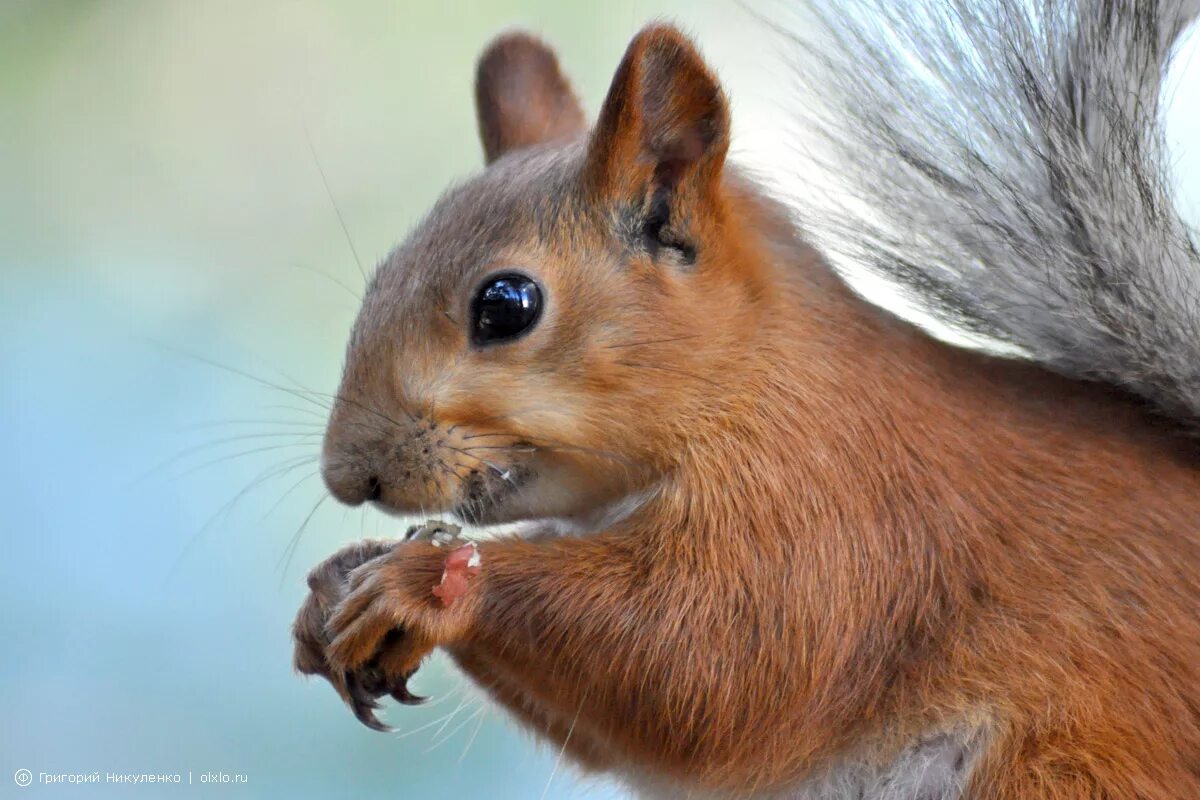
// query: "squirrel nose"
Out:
[352,489]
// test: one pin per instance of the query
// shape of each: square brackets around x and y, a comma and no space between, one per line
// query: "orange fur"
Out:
[854,534]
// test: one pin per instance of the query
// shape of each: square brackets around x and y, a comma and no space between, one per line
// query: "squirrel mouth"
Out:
[584,523]
[485,494]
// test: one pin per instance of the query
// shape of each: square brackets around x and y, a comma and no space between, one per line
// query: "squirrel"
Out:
[767,539]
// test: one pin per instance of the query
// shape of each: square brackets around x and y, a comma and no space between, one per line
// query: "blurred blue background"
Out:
[175,281]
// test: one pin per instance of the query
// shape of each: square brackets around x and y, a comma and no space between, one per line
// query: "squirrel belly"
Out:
[784,544]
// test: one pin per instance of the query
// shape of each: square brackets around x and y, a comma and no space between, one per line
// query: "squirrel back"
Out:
[1005,163]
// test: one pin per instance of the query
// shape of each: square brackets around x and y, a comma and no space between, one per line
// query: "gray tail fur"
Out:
[1003,161]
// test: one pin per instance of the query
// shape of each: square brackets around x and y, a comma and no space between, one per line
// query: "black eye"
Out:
[506,306]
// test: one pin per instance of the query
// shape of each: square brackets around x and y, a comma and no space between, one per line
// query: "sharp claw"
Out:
[359,696]
[402,695]
[363,704]
[367,717]
[363,687]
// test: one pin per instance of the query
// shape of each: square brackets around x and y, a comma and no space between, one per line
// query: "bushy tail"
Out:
[1003,160]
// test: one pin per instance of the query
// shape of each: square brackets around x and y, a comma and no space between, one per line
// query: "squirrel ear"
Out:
[521,96]
[664,124]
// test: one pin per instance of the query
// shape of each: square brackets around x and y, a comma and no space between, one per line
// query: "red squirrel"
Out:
[773,541]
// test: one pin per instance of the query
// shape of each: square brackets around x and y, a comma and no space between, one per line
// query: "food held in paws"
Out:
[462,564]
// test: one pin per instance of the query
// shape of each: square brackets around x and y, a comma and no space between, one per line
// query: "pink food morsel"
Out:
[462,564]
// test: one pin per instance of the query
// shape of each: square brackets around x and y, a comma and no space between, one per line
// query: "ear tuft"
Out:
[521,96]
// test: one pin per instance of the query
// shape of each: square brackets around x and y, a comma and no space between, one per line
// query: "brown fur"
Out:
[854,535]
[522,98]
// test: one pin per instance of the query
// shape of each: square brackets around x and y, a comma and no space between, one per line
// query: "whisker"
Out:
[370,410]
[288,493]
[483,435]
[267,474]
[328,277]
[503,473]
[470,718]
[511,414]
[199,426]
[309,395]
[341,221]
[243,454]
[200,448]
[294,544]
[450,471]
[298,394]
[297,409]
[673,370]
[478,725]
[431,723]
[520,436]
[446,719]
[644,342]
[561,751]
[551,446]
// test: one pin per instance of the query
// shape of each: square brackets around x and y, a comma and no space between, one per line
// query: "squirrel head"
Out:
[550,336]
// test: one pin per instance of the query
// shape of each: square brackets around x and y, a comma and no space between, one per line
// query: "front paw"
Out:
[329,583]
[376,608]
[401,591]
